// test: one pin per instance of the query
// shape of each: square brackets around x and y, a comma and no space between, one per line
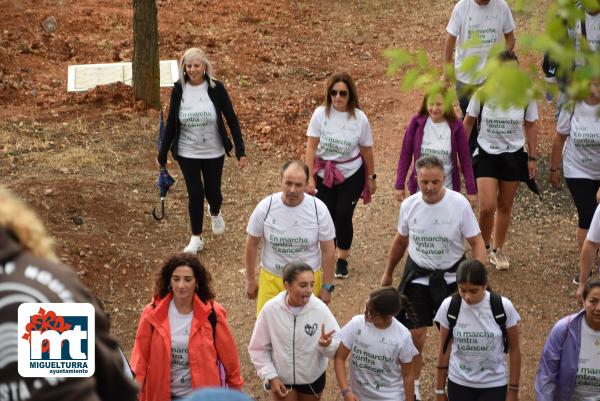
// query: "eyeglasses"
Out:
[334,93]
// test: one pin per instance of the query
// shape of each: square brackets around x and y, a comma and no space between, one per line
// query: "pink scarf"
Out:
[332,176]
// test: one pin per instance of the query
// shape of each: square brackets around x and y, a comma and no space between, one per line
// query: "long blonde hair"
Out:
[191,54]
[16,216]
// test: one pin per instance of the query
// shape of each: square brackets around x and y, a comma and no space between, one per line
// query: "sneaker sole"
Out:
[336,275]
[218,232]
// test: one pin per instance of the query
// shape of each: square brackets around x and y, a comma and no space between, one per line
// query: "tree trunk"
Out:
[146,69]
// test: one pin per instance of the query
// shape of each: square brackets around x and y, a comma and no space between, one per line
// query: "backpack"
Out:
[497,312]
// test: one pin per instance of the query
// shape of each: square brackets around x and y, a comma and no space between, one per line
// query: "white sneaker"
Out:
[217,223]
[499,260]
[196,245]
[417,392]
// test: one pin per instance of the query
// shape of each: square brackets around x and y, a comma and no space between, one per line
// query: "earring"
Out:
[170,288]
[196,288]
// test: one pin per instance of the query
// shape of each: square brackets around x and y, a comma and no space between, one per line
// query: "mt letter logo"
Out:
[56,340]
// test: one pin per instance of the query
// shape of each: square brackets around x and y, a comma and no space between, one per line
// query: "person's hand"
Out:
[372,185]
[326,338]
[579,293]
[325,296]
[472,200]
[251,289]
[554,179]
[386,280]
[400,194]
[311,187]
[278,388]
[242,162]
[351,397]
[532,169]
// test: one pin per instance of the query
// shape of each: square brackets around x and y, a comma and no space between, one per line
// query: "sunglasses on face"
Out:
[334,93]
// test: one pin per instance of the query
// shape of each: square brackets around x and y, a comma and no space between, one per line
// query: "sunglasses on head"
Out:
[334,93]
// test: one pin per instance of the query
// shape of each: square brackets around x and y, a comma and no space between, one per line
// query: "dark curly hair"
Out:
[201,274]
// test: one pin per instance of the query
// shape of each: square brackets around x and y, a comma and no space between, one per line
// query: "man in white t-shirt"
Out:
[433,226]
[477,25]
[293,226]
[590,248]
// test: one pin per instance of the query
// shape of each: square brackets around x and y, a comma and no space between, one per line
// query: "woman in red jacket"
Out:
[180,332]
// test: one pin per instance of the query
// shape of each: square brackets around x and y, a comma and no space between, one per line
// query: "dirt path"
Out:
[95,151]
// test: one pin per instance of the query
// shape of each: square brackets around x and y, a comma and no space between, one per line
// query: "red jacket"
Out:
[151,355]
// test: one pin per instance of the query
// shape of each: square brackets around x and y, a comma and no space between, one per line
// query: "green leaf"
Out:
[409,79]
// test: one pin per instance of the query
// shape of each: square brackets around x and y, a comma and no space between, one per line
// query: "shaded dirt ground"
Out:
[89,158]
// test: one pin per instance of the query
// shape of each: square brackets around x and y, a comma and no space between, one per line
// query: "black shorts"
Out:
[503,167]
[456,392]
[420,300]
[313,388]
[583,191]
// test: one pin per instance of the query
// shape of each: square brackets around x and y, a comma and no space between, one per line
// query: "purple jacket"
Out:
[555,378]
[411,150]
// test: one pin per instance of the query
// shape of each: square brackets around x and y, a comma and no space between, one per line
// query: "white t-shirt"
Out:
[489,23]
[502,131]
[339,136]
[199,137]
[437,232]
[581,154]
[437,142]
[593,233]
[180,325]
[290,233]
[592,30]
[477,358]
[375,357]
[587,380]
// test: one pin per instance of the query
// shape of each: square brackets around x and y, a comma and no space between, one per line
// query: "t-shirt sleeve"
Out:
[316,122]
[594,231]
[256,224]
[346,334]
[531,114]
[563,125]
[453,27]
[407,350]
[509,22]
[512,316]
[366,137]
[326,227]
[402,221]
[441,315]
[474,107]
[468,224]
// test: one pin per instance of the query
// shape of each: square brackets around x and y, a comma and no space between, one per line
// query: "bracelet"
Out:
[513,387]
[554,170]
[442,367]
[532,158]
[346,391]
[440,391]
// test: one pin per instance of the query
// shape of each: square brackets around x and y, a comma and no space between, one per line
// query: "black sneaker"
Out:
[341,268]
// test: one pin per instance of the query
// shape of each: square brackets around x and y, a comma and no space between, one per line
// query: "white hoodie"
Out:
[287,346]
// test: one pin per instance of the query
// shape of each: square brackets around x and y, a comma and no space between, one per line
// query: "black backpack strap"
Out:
[499,316]
[452,315]
[316,211]
[212,318]
[266,214]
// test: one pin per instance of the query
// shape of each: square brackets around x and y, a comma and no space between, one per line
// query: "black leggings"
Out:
[212,170]
[583,191]
[341,200]
[456,392]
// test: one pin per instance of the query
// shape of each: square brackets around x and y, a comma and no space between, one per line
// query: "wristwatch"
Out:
[328,287]
[372,177]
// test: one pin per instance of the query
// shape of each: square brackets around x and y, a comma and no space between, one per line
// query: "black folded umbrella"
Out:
[164,181]
[531,183]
